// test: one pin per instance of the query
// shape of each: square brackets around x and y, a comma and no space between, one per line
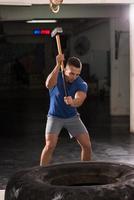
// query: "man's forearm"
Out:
[52,77]
[77,102]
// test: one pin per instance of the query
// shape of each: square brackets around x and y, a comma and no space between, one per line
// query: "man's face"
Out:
[71,73]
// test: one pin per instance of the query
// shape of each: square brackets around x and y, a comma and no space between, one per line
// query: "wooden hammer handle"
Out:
[59,49]
[62,64]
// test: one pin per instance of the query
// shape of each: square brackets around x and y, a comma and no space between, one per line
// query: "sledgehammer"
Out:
[56,33]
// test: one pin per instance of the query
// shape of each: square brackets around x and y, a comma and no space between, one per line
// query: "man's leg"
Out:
[85,144]
[46,155]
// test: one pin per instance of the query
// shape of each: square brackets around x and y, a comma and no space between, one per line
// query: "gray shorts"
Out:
[74,125]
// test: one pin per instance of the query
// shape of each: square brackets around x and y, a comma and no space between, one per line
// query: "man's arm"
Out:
[78,99]
[51,80]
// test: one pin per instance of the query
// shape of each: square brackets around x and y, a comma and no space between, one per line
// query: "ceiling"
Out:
[31,2]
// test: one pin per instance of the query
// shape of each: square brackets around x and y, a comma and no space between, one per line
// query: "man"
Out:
[63,109]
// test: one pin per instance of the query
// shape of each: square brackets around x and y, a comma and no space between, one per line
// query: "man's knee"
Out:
[84,141]
[86,146]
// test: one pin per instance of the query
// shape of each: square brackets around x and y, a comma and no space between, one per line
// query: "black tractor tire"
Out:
[73,181]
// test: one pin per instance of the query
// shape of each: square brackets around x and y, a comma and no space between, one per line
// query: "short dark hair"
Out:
[74,61]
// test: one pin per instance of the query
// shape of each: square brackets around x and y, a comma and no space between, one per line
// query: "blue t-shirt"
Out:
[58,107]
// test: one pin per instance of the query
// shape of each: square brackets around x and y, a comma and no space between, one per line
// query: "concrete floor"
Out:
[22,124]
